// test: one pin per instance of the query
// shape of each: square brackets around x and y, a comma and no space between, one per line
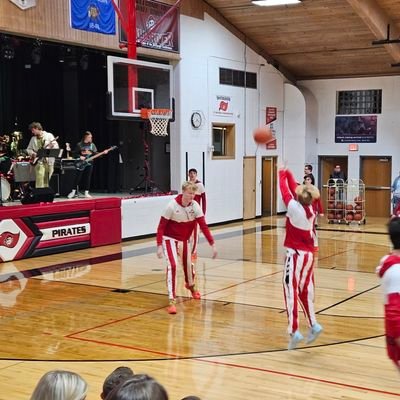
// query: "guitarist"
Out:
[44,167]
[83,150]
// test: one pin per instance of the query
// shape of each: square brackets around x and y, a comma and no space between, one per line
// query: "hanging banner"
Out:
[93,16]
[270,116]
[149,13]
[356,129]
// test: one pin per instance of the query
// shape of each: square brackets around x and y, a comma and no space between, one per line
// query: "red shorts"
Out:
[392,326]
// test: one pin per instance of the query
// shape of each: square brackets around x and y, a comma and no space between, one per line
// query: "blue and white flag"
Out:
[93,15]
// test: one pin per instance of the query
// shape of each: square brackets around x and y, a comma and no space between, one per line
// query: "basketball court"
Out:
[106,307]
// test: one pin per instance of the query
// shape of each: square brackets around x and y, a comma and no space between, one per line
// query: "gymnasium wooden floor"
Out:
[93,310]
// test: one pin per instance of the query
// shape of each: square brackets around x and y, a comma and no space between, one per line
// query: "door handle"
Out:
[378,187]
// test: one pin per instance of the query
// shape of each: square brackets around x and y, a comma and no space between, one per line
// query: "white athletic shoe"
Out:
[87,195]
[314,332]
[72,194]
[295,338]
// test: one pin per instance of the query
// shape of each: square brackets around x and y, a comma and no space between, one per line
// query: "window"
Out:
[223,140]
[359,102]
[237,78]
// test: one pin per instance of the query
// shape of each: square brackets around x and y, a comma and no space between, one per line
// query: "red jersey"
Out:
[299,218]
[178,221]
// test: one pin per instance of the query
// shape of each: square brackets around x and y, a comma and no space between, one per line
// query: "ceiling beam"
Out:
[377,21]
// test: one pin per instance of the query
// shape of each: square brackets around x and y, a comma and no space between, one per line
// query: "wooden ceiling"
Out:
[320,38]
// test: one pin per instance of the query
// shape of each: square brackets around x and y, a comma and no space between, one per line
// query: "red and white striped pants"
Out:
[173,251]
[195,238]
[298,286]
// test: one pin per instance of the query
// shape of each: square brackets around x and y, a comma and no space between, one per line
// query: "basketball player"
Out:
[298,278]
[44,167]
[173,233]
[200,197]
[389,272]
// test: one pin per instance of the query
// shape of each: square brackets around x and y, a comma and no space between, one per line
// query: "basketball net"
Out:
[159,118]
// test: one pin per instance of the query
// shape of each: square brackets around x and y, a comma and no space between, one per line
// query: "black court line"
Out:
[188,357]
[347,299]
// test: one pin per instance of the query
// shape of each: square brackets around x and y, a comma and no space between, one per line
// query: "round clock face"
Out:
[196,120]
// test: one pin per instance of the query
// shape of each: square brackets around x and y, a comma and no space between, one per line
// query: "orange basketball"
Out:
[262,135]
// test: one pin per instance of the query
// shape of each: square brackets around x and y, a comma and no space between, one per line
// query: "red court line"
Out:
[303,377]
[160,308]
[118,320]
[123,346]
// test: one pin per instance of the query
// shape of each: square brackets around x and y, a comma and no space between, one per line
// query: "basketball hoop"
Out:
[158,118]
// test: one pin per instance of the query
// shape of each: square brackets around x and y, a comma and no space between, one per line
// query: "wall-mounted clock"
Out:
[196,119]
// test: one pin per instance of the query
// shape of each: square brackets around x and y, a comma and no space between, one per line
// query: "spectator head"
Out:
[191,398]
[139,387]
[119,375]
[394,232]
[337,168]
[307,169]
[307,180]
[60,385]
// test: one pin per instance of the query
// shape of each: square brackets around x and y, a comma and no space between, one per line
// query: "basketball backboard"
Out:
[135,84]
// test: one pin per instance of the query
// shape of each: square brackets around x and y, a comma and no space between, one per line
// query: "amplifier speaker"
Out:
[38,195]
[55,184]
[67,179]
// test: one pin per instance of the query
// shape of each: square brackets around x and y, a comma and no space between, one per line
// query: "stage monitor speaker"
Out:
[38,195]
[67,179]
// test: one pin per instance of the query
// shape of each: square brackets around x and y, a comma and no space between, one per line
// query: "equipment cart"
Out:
[336,197]
[355,201]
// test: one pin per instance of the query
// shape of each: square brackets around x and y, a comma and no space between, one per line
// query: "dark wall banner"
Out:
[148,13]
[93,15]
[356,129]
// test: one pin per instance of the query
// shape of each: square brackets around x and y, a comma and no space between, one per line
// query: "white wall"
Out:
[388,131]
[205,47]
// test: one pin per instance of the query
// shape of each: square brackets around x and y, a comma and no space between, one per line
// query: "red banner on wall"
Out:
[271,113]
[165,36]
[270,116]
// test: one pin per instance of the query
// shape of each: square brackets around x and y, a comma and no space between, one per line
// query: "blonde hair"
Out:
[307,193]
[189,186]
[60,385]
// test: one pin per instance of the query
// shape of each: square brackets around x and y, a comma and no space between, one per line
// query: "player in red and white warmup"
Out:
[389,272]
[298,275]
[200,197]
[173,233]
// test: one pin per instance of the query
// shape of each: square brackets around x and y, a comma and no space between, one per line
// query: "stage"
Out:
[29,230]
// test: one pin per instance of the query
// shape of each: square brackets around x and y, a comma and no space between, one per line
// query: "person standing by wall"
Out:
[337,173]
[298,278]
[308,172]
[44,167]
[200,197]
[396,195]
[173,233]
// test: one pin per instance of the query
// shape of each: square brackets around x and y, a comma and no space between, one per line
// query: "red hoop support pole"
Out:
[129,26]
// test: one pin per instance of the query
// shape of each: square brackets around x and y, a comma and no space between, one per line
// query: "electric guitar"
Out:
[35,159]
[80,165]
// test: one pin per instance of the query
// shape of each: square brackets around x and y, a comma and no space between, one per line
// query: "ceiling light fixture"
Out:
[269,3]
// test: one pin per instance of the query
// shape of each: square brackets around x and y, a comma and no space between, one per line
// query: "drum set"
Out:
[16,171]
